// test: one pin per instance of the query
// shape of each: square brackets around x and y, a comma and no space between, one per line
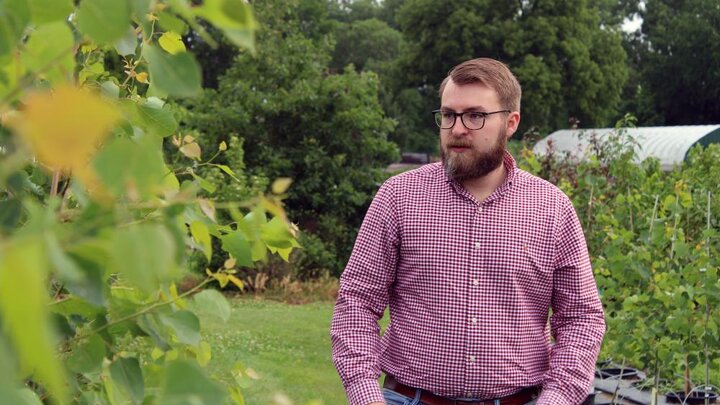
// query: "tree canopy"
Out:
[681,59]
[328,132]
[568,63]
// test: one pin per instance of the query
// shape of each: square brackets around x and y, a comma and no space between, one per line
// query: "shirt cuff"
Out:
[549,397]
[364,392]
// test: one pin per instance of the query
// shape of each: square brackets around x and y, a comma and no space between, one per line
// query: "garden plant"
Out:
[95,224]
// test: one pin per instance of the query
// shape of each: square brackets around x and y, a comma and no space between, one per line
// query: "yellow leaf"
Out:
[188,139]
[221,278]
[191,150]
[207,207]
[238,283]
[230,263]
[223,146]
[171,42]
[142,77]
[65,128]
[281,185]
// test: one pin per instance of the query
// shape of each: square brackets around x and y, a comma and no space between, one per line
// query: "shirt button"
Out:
[476,282]
[480,210]
[474,320]
[472,359]
[478,245]
[468,394]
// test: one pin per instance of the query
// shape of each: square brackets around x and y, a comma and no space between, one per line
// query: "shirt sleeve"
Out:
[577,322]
[364,293]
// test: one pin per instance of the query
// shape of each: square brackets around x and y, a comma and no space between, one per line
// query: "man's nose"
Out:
[459,127]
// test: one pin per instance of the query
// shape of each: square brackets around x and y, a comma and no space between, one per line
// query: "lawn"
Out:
[288,347]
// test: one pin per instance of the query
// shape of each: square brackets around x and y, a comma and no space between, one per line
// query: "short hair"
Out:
[491,73]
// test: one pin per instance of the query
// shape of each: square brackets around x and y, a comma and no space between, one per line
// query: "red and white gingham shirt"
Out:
[470,286]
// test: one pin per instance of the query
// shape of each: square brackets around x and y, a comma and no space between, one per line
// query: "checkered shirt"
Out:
[470,288]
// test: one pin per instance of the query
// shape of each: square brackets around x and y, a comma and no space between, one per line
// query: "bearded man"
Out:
[473,256]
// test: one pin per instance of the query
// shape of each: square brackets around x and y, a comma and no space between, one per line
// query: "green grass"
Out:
[288,346]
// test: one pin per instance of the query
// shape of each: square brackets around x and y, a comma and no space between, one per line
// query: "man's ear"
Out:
[513,122]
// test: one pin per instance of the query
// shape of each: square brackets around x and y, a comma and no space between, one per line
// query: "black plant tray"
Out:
[696,397]
[623,373]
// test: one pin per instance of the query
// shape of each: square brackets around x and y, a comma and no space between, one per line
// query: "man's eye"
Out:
[476,116]
[447,114]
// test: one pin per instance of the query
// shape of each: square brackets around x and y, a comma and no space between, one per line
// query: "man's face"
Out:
[469,154]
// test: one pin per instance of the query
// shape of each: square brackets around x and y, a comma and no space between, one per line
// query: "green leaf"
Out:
[171,42]
[139,8]
[104,21]
[157,117]
[65,267]
[144,254]
[177,75]
[110,89]
[126,373]
[88,356]
[212,303]
[233,17]
[76,306]
[237,245]
[200,233]
[259,250]
[24,311]
[150,325]
[204,184]
[14,17]
[229,171]
[126,164]
[185,383]
[8,362]
[45,11]
[128,43]
[51,45]
[169,22]
[276,234]
[682,249]
[18,396]
[92,258]
[10,212]
[185,325]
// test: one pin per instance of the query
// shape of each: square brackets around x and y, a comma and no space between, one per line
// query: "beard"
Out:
[472,163]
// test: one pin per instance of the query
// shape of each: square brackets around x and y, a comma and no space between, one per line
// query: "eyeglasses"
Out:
[471,119]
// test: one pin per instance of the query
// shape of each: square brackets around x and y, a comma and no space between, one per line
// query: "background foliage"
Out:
[98,218]
[118,171]
[654,241]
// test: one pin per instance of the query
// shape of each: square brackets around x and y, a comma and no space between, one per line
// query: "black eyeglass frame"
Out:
[462,119]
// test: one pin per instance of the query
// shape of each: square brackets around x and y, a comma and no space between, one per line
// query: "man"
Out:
[471,256]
